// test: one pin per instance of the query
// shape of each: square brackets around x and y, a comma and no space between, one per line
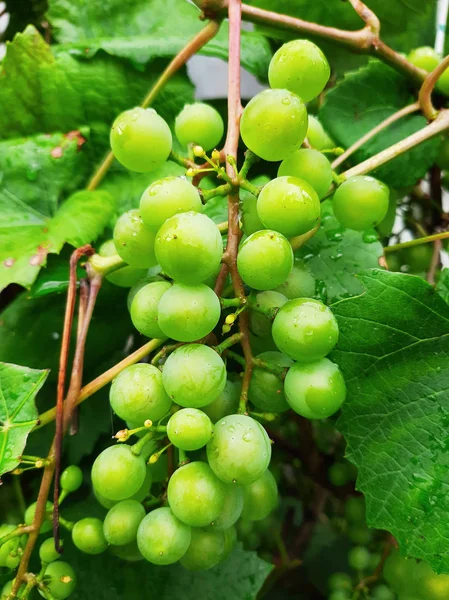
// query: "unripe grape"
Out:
[189,247]
[240,450]
[226,404]
[361,202]
[133,241]
[266,390]
[126,276]
[425,58]
[339,595]
[250,219]
[29,516]
[140,139]
[162,538]
[301,67]
[71,478]
[188,312]
[260,497]
[8,547]
[274,124]
[88,536]
[355,510]
[315,390]
[144,308]
[340,581]
[201,124]
[305,329]
[260,323]
[60,579]
[117,473]
[265,260]
[300,282]
[47,551]
[138,394]
[382,592]
[359,558]
[232,508]
[195,494]
[311,166]
[317,137]
[206,549]
[129,552]
[167,197]
[122,522]
[289,205]
[7,589]
[189,429]
[194,375]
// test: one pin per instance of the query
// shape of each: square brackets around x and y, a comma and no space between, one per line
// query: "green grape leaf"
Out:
[18,414]
[360,102]
[40,169]
[43,92]
[335,255]
[394,353]
[151,29]
[28,236]
[442,286]
[217,209]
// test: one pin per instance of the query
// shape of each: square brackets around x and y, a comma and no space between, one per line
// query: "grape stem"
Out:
[235,338]
[104,265]
[18,531]
[300,240]
[390,542]
[365,40]
[228,302]
[407,110]
[425,92]
[192,47]
[280,372]
[442,235]
[140,445]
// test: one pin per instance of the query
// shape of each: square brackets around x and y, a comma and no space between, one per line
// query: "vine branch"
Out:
[425,92]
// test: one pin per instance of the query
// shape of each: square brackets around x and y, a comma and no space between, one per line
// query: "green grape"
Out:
[340,581]
[315,390]
[47,551]
[151,276]
[260,497]
[226,404]
[126,276]
[133,241]
[339,474]
[311,166]
[71,478]
[201,124]
[162,538]
[360,534]
[189,429]
[138,394]
[359,558]
[129,552]
[265,260]
[385,227]
[122,522]
[140,495]
[289,205]
[266,390]
[7,589]
[305,329]
[259,322]
[188,312]
[206,549]
[339,595]
[60,579]
[443,83]
[425,58]
[195,494]
[301,67]
[240,450]
[274,124]
[29,516]
[7,547]
[140,139]
[361,202]
[230,540]
[194,375]
[88,536]
[355,510]
[300,283]
[435,587]
[383,592]
[417,257]
[167,197]
[189,247]
[250,219]
[317,137]
[144,308]
[232,508]
[443,155]
[117,473]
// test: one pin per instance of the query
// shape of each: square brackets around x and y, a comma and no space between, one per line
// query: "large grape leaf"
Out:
[335,255]
[18,414]
[41,169]
[394,353]
[145,30]
[360,102]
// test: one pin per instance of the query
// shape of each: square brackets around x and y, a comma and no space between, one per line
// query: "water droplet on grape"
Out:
[286,101]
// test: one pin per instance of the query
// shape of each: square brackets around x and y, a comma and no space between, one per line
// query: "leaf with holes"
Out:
[394,353]
[18,413]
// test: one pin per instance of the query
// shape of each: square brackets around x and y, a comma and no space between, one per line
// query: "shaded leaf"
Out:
[394,353]
[18,414]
